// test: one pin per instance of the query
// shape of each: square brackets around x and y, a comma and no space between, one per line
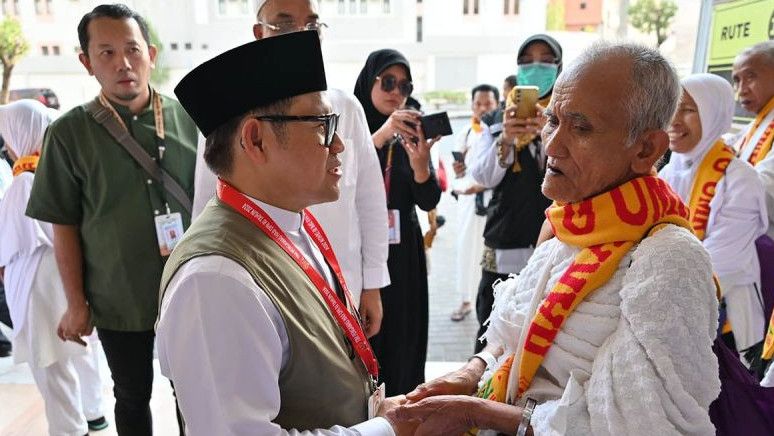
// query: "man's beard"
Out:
[129,96]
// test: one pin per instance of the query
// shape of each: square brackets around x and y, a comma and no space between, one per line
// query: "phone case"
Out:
[436,124]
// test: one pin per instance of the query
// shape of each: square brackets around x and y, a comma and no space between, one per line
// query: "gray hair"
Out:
[654,88]
[764,49]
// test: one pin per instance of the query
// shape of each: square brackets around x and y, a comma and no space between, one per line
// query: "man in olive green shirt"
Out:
[105,207]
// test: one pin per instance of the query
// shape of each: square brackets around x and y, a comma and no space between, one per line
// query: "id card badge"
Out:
[393,223]
[169,231]
[375,401]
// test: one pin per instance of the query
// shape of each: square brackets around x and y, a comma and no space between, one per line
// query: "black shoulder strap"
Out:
[106,119]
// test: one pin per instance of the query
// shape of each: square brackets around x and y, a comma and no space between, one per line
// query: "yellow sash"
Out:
[763,146]
[607,227]
[26,163]
[768,345]
[711,170]
[475,124]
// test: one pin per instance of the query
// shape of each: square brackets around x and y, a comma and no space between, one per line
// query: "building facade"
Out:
[451,44]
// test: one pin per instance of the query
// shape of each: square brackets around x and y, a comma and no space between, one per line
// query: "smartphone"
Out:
[458,156]
[524,98]
[436,125]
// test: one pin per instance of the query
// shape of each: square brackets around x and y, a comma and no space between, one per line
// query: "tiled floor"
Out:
[21,407]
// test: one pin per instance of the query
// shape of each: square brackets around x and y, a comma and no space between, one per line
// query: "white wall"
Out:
[488,42]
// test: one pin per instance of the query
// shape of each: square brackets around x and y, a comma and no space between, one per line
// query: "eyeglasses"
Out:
[329,121]
[291,26]
[390,82]
[530,60]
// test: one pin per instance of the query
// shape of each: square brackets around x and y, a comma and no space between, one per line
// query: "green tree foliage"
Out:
[653,16]
[160,74]
[13,46]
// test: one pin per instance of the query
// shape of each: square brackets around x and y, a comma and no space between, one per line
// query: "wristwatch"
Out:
[526,417]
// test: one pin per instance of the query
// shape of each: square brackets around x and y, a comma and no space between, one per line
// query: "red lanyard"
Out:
[346,320]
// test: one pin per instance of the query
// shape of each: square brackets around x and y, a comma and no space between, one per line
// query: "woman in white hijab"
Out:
[729,221]
[65,373]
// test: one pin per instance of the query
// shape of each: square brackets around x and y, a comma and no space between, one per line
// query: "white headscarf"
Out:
[714,98]
[22,125]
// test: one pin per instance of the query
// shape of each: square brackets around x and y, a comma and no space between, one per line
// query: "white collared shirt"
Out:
[356,223]
[223,344]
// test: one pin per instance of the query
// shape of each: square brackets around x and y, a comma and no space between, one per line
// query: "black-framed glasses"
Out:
[542,59]
[388,83]
[329,121]
[290,26]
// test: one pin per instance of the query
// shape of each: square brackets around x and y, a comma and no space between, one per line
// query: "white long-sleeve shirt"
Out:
[765,167]
[356,223]
[223,344]
[737,218]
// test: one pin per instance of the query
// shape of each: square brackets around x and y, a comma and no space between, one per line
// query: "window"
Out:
[55,50]
[511,7]
[233,8]
[583,5]
[173,46]
[205,47]
[42,7]
[188,46]
[44,50]
[419,29]
[362,7]
[469,7]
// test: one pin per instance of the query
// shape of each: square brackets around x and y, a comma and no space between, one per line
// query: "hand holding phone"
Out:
[524,99]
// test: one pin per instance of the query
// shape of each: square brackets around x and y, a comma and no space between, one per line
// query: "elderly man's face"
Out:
[586,133]
[753,78]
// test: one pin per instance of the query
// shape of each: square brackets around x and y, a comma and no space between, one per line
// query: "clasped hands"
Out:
[443,406]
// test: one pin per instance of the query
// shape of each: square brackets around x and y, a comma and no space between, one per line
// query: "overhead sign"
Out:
[737,25]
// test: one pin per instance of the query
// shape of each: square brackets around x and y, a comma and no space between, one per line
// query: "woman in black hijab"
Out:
[383,88]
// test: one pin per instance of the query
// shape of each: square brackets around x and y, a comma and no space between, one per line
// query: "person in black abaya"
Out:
[383,87]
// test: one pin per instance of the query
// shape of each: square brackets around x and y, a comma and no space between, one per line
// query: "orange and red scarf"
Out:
[606,227]
[763,146]
[26,163]
[711,169]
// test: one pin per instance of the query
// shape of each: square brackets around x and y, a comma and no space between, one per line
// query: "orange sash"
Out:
[711,170]
[475,125]
[26,163]
[763,146]
[607,227]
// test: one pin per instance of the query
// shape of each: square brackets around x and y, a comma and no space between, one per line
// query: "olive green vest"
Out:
[324,382]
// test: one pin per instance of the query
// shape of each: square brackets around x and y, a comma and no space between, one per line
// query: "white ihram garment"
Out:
[635,356]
